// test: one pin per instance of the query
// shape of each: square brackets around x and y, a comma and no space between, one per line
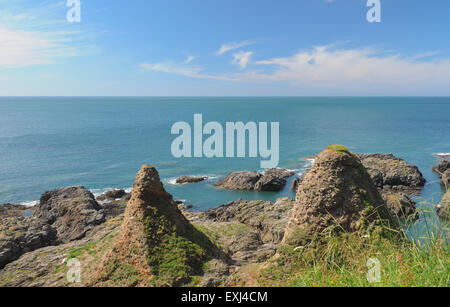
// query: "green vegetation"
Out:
[339,148]
[342,260]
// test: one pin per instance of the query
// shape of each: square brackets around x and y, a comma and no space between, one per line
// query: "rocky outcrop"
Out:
[443,170]
[20,235]
[267,218]
[443,209]
[112,195]
[400,205]
[157,245]
[336,195]
[72,211]
[272,180]
[391,173]
[189,179]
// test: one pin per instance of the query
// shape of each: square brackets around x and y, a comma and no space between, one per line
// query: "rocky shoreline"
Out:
[360,193]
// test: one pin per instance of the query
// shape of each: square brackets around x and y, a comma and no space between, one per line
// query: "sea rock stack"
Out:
[337,194]
[391,173]
[157,245]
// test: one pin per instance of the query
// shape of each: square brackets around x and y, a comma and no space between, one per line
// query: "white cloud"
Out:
[33,34]
[26,48]
[233,46]
[367,68]
[331,70]
[242,58]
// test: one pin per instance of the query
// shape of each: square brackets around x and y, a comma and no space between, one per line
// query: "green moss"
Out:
[339,148]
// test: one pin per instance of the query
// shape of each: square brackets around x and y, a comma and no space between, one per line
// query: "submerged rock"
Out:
[157,245]
[273,180]
[72,211]
[336,195]
[189,179]
[391,173]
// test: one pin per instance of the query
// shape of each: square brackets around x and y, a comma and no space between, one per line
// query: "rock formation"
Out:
[189,179]
[400,205]
[273,180]
[391,173]
[336,195]
[112,195]
[72,211]
[20,235]
[157,245]
[443,170]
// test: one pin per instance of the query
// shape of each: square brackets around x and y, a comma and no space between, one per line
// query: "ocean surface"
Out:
[49,143]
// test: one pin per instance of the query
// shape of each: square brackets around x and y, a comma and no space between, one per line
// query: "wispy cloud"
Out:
[233,46]
[363,70]
[189,59]
[242,58]
[33,34]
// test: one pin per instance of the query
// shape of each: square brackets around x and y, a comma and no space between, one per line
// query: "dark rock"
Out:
[273,180]
[267,218]
[72,211]
[337,194]
[443,209]
[19,235]
[400,205]
[189,179]
[392,173]
[239,181]
[112,195]
[443,170]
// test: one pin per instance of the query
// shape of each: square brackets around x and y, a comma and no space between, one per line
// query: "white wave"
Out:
[30,203]
[442,155]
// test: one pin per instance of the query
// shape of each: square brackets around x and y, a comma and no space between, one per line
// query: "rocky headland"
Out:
[146,238]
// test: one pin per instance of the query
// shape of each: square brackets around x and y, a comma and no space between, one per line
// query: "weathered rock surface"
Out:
[443,170]
[272,180]
[391,173]
[112,195]
[400,205]
[443,209]
[48,266]
[189,179]
[19,234]
[337,194]
[157,244]
[72,211]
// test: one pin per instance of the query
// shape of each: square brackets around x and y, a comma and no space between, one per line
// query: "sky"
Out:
[224,48]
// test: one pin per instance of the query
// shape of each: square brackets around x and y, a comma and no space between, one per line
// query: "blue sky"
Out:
[224,47]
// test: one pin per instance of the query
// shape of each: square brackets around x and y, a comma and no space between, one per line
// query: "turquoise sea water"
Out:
[48,143]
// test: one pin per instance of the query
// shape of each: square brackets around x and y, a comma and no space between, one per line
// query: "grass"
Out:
[339,148]
[342,260]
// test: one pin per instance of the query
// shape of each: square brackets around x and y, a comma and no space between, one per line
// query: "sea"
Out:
[101,142]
